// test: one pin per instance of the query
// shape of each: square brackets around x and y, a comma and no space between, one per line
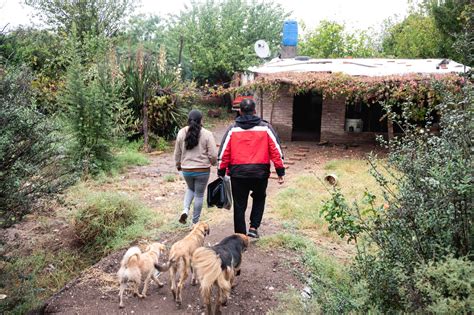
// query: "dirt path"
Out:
[265,273]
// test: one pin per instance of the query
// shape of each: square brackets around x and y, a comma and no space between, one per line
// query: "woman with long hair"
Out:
[195,151]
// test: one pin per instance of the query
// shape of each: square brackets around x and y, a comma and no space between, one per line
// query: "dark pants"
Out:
[240,194]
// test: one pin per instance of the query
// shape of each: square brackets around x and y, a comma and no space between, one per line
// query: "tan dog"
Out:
[136,266]
[180,258]
[218,265]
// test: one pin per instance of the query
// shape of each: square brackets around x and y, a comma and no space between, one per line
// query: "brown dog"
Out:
[218,265]
[180,257]
[136,266]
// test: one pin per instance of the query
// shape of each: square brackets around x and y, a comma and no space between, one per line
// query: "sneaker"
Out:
[183,217]
[253,233]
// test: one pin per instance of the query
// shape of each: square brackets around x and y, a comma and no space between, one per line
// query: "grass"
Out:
[301,202]
[169,178]
[106,221]
[329,280]
[27,281]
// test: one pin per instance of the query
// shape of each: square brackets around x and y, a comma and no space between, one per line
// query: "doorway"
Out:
[307,109]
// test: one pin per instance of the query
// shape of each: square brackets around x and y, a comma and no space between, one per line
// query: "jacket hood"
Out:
[247,121]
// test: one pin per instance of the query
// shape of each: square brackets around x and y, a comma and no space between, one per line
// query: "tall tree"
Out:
[455,21]
[219,36]
[331,40]
[415,37]
[93,17]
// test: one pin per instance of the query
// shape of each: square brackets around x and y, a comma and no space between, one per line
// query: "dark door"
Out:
[307,110]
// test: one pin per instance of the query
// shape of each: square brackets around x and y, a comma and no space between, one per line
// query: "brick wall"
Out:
[332,119]
[282,119]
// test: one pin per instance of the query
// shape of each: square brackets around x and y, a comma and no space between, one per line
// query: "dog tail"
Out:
[131,254]
[207,266]
[166,266]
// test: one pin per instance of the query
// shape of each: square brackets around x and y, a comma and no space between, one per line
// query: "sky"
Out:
[359,14]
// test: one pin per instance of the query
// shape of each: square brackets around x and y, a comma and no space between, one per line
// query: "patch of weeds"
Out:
[27,281]
[292,303]
[106,221]
[169,178]
[330,282]
[159,143]
[129,155]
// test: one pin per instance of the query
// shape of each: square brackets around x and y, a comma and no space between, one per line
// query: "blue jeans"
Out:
[196,187]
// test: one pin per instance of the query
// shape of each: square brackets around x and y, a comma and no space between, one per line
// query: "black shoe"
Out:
[253,233]
[183,217]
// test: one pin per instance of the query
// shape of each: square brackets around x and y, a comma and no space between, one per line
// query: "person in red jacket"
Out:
[245,153]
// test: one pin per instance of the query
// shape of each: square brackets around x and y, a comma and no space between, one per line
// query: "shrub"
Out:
[92,100]
[448,284]
[404,246]
[32,155]
[108,221]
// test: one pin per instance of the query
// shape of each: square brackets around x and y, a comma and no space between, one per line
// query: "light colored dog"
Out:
[137,266]
[180,259]
[217,266]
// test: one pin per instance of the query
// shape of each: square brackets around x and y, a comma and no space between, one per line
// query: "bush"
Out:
[406,243]
[448,284]
[108,221]
[93,103]
[32,152]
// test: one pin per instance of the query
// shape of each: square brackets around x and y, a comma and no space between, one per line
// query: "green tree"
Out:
[93,17]
[219,35]
[414,37]
[331,40]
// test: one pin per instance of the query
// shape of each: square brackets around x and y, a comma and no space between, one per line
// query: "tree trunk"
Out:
[261,103]
[181,42]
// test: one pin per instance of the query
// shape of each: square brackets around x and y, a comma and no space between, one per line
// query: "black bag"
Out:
[218,195]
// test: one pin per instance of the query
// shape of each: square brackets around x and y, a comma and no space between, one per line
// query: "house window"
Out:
[363,117]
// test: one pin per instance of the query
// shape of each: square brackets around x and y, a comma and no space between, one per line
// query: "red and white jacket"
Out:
[247,148]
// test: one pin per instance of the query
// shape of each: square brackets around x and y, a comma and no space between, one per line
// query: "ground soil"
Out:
[265,272]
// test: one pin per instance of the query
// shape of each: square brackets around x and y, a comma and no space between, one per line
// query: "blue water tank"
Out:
[290,33]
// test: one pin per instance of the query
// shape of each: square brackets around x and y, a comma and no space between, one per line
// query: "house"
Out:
[342,100]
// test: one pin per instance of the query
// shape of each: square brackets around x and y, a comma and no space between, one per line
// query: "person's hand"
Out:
[280,180]
[221,172]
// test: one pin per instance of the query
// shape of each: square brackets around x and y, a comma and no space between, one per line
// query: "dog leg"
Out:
[183,275]
[193,277]
[135,290]
[206,298]
[147,282]
[123,286]
[157,281]
[173,281]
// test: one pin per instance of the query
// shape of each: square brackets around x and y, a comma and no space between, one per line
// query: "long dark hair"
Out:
[194,130]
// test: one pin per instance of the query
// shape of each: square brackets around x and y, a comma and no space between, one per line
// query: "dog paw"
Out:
[194,282]
[142,296]
[161,285]
[121,306]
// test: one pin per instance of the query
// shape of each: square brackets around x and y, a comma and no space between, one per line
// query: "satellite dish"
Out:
[261,49]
